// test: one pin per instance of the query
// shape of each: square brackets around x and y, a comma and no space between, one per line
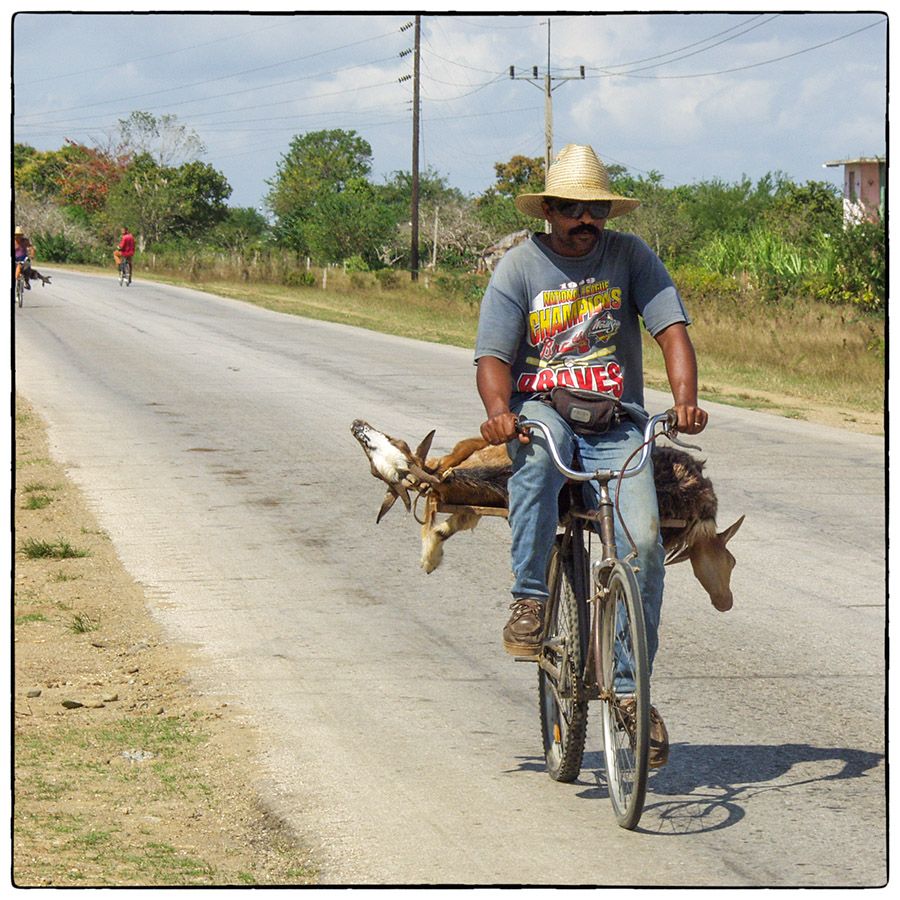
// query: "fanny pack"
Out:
[588,412]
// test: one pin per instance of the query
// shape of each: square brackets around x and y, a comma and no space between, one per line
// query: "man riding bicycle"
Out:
[126,252]
[23,253]
[563,310]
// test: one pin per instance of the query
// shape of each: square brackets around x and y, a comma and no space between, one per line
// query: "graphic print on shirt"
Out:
[571,327]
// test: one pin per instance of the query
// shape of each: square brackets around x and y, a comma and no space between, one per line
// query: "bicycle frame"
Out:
[604,517]
[577,522]
[600,602]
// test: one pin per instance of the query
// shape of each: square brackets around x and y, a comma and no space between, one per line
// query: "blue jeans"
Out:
[534,506]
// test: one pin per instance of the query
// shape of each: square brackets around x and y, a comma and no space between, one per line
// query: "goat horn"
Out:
[425,446]
[390,498]
[422,475]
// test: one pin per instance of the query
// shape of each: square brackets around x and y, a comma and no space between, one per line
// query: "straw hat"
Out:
[19,229]
[576,174]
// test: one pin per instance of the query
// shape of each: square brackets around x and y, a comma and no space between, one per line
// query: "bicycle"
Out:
[125,271]
[21,268]
[589,631]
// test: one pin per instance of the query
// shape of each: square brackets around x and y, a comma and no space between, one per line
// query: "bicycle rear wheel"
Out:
[625,695]
[561,691]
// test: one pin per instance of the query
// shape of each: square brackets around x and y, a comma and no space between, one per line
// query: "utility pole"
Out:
[548,89]
[414,245]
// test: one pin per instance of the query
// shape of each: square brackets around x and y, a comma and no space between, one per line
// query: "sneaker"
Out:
[522,633]
[659,735]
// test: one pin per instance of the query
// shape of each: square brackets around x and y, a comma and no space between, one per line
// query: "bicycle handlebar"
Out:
[603,474]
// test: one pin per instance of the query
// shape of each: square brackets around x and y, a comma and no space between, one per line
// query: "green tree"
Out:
[662,219]
[242,227]
[198,193]
[160,202]
[349,222]
[521,175]
[41,172]
[433,191]
[317,166]
[803,213]
[716,206]
[495,209]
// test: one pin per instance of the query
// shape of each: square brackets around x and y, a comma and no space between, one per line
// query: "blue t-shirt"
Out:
[574,321]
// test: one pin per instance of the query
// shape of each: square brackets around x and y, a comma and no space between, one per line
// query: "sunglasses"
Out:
[574,209]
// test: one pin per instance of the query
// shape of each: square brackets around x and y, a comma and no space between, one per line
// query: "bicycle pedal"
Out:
[531,659]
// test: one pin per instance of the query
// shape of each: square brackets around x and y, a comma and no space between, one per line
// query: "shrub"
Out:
[467,287]
[300,278]
[57,248]
[388,279]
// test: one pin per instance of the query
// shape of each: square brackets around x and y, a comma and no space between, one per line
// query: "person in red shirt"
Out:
[126,249]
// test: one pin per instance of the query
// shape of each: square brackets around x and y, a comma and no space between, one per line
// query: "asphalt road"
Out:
[212,439]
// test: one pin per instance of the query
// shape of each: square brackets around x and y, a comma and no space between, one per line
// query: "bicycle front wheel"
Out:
[625,695]
[20,290]
[560,686]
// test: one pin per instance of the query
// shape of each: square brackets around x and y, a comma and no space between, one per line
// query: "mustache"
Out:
[585,228]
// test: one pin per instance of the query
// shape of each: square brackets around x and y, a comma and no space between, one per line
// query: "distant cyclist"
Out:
[23,254]
[126,249]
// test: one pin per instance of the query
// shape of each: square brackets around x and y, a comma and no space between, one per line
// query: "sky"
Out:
[694,96]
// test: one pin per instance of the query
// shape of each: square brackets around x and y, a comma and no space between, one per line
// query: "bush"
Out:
[356,264]
[62,249]
[467,287]
[300,278]
[361,281]
[855,265]
[388,279]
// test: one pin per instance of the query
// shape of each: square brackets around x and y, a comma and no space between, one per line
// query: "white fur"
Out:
[390,461]
[433,538]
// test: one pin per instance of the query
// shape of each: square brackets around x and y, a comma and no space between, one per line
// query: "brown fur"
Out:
[473,477]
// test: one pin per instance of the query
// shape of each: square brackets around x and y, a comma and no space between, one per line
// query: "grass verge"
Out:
[124,775]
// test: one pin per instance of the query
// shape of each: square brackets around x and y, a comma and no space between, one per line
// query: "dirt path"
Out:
[124,774]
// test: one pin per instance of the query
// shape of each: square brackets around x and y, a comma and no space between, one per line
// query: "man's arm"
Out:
[494,381]
[681,368]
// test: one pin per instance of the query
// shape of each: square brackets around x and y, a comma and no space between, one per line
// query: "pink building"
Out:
[863,188]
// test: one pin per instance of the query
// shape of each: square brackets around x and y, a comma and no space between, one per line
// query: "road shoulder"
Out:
[125,774]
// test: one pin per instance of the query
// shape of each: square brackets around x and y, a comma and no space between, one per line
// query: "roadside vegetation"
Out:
[124,775]
[785,297]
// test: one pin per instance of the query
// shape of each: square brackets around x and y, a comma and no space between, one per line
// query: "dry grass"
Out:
[808,350]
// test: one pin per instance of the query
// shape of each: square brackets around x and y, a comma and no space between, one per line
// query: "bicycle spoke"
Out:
[562,704]
[626,700]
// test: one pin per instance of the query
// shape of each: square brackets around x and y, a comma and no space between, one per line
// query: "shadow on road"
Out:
[706,787]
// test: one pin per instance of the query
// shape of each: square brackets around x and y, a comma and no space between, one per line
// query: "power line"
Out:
[756,65]
[236,75]
[132,60]
[695,44]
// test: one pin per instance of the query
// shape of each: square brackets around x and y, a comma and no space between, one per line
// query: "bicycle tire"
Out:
[20,291]
[562,700]
[626,728]
[121,274]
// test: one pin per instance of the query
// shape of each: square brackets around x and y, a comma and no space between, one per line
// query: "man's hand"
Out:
[691,419]
[681,367]
[502,428]
[495,388]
